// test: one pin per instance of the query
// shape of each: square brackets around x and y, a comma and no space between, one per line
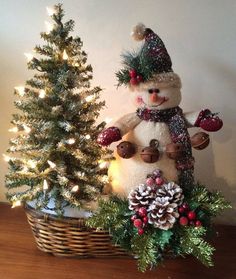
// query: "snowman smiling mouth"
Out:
[161,100]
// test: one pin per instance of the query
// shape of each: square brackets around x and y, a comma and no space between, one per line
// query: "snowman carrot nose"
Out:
[154,97]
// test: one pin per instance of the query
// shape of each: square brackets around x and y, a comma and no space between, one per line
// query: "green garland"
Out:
[155,244]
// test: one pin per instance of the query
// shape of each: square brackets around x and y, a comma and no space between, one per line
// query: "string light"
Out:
[42,93]
[87,137]
[6,158]
[108,120]
[32,164]
[14,129]
[105,178]
[49,26]
[50,11]
[89,98]
[16,203]
[102,164]
[51,164]
[75,188]
[20,90]
[26,128]
[64,55]
[29,56]
[71,141]
[45,185]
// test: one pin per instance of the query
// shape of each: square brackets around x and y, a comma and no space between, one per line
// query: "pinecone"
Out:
[142,196]
[163,213]
[172,191]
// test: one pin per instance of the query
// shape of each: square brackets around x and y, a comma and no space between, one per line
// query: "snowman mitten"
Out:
[208,121]
[108,136]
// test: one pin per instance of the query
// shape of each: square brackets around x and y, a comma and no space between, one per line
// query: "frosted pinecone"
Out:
[163,213]
[172,191]
[142,196]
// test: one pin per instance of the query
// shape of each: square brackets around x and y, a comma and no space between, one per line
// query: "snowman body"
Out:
[126,174]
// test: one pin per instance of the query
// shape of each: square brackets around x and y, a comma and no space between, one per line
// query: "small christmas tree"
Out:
[55,151]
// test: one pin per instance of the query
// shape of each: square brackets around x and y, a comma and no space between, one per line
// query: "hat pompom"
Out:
[138,32]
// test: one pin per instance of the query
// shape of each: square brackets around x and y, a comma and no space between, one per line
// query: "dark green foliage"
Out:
[151,247]
[61,125]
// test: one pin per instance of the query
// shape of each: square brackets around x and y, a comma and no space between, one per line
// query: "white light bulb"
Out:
[14,129]
[32,164]
[50,11]
[108,120]
[87,137]
[75,188]
[65,55]
[71,141]
[89,98]
[102,164]
[42,93]
[6,158]
[49,27]
[16,203]
[29,56]
[20,90]
[26,128]
[45,184]
[51,164]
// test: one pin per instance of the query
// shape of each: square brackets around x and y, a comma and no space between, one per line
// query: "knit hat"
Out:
[151,63]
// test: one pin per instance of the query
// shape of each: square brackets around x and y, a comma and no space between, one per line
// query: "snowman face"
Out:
[158,97]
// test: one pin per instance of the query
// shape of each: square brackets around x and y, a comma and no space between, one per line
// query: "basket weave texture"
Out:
[69,237]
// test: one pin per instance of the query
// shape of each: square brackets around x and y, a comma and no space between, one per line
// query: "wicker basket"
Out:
[69,237]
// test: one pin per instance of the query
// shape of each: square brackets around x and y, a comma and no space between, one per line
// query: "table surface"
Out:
[20,258]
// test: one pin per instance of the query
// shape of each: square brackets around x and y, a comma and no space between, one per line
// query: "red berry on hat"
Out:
[139,78]
[198,223]
[183,221]
[140,231]
[145,219]
[192,215]
[133,81]
[142,211]
[138,223]
[159,181]
[132,73]
[181,210]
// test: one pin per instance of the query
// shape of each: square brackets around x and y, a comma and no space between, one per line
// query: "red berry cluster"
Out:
[140,220]
[135,79]
[188,216]
[155,179]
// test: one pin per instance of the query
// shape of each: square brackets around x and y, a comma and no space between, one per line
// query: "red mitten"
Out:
[108,136]
[208,121]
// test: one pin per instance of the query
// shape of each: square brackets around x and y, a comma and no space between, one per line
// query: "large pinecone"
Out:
[172,191]
[142,196]
[163,213]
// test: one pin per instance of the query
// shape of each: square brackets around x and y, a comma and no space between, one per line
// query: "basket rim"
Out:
[51,217]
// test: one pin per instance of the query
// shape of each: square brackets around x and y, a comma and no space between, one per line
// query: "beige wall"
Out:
[200,37]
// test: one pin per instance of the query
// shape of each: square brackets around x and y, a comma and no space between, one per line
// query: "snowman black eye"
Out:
[150,91]
[156,90]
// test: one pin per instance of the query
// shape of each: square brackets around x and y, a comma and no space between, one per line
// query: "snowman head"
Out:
[158,94]
[149,72]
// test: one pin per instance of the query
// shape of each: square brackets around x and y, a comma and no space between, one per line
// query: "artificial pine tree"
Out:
[55,154]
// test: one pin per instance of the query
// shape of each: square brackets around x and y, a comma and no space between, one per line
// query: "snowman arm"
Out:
[127,123]
[205,119]
[121,127]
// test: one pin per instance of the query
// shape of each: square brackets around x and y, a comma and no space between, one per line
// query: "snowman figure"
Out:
[156,135]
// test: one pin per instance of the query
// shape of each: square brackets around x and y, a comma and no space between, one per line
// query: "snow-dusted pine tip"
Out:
[138,32]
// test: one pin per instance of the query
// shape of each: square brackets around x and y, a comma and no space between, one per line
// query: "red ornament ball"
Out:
[192,215]
[138,223]
[183,221]
[140,231]
[186,207]
[139,78]
[142,211]
[198,223]
[181,210]
[132,73]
